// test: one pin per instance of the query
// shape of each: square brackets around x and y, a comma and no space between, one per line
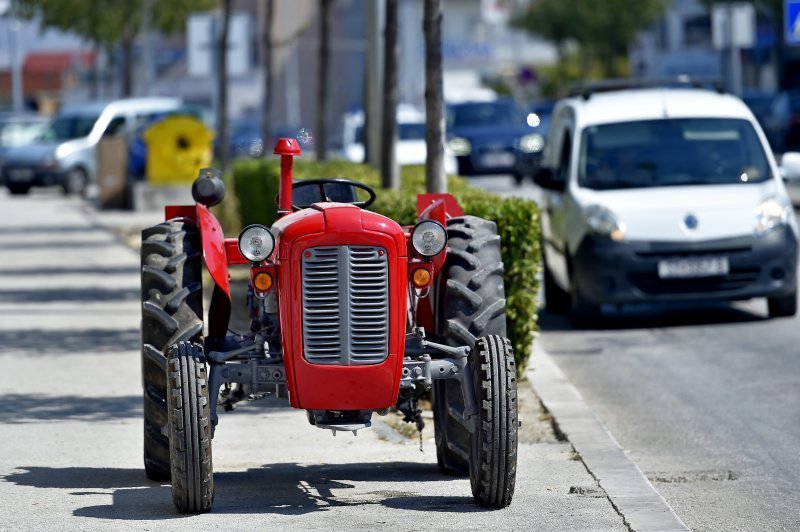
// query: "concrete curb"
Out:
[641,507]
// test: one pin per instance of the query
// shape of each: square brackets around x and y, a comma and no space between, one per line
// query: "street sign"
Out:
[733,25]
[791,18]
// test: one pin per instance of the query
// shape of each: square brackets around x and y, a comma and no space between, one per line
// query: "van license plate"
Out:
[695,267]
[498,159]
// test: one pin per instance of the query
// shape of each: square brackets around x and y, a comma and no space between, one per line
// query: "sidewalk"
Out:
[70,447]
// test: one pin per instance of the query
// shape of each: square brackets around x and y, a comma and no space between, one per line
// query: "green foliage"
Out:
[256,184]
[107,21]
[603,29]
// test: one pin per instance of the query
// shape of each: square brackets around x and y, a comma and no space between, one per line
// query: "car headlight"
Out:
[770,214]
[429,238]
[532,143]
[460,146]
[256,243]
[603,222]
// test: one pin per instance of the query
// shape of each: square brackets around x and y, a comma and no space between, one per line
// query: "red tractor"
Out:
[340,300]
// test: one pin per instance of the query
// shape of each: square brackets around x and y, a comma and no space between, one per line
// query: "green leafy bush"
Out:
[255,187]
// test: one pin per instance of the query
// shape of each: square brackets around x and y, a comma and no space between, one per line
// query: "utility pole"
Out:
[16,60]
[266,65]
[148,67]
[322,81]
[374,77]
[390,173]
[222,83]
[435,179]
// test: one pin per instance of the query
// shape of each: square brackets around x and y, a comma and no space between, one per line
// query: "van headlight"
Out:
[770,214]
[256,243]
[602,221]
[460,146]
[532,143]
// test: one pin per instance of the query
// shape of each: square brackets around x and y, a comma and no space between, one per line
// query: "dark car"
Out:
[494,138]
[782,123]
[19,129]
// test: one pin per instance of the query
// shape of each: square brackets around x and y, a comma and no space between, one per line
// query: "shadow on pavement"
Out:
[70,294]
[63,341]
[284,489]
[31,408]
[651,316]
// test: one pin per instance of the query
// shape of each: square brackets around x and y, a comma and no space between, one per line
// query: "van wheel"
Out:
[781,307]
[75,181]
[556,299]
[583,313]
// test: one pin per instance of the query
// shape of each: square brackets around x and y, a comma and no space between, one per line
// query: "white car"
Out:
[410,148]
[665,194]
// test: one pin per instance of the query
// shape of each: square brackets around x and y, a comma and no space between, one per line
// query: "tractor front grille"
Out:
[345,305]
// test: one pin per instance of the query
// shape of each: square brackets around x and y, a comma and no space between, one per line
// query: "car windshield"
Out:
[70,127]
[20,133]
[411,131]
[485,114]
[671,152]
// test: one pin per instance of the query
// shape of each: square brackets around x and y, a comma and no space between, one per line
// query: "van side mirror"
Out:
[546,178]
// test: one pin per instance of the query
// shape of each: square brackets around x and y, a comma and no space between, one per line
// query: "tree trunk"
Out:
[435,179]
[222,89]
[322,79]
[390,175]
[127,63]
[266,66]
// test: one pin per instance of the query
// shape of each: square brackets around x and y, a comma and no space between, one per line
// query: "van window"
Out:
[671,152]
[117,125]
[565,159]
[70,127]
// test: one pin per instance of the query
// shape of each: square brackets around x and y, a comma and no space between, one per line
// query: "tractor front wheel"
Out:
[470,303]
[493,445]
[172,311]
[189,429]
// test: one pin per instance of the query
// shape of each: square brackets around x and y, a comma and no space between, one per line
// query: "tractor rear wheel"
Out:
[493,449]
[470,304]
[172,311]
[189,429]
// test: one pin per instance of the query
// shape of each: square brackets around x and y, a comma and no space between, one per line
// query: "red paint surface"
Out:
[322,387]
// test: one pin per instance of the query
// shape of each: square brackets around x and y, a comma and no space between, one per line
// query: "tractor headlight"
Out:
[770,214]
[532,143]
[256,243]
[460,146]
[428,238]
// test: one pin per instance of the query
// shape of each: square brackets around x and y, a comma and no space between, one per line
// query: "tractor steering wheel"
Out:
[323,195]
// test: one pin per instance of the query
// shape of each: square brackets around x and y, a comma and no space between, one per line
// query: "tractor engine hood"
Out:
[333,217]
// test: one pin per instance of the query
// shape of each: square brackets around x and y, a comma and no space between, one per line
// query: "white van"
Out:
[663,195]
[65,154]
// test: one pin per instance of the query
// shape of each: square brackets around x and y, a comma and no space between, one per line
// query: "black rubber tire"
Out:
[75,182]
[190,429]
[583,313]
[172,311]
[18,190]
[782,307]
[556,299]
[519,179]
[470,303]
[493,449]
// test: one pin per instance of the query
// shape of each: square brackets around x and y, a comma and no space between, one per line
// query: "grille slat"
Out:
[345,305]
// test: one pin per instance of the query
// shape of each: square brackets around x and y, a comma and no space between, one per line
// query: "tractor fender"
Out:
[214,253]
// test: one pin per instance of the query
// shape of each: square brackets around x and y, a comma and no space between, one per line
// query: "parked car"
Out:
[663,195]
[493,138]
[410,148]
[19,129]
[65,154]
[782,123]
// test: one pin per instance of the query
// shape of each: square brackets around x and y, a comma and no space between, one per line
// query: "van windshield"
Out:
[70,127]
[671,152]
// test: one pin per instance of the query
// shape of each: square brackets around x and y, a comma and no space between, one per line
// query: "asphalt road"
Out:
[704,398]
[71,429]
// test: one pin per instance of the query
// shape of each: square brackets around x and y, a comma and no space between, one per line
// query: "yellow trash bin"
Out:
[177,148]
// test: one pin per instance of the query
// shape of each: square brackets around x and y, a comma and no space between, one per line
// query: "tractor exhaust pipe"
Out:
[287,149]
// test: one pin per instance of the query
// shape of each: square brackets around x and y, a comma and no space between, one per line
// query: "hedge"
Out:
[255,187]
